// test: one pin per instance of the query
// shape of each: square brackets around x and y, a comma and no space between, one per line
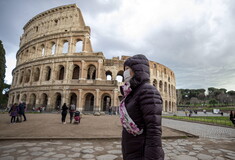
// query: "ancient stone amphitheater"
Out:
[56,64]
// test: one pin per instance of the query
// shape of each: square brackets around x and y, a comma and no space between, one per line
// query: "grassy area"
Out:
[212,120]
[208,109]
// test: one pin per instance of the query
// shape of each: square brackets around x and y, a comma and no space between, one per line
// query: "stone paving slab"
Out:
[49,126]
[175,149]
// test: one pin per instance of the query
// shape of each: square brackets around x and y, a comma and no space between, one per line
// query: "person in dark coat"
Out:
[22,107]
[14,112]
[64,113]
[140,113]
[232,117]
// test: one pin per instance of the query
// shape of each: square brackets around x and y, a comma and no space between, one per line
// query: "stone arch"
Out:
[169,106]
[76,72]
[32,101]
[24,98]
[106,101]
[21,77]
[89,102]
[166,105]
[91,72]
[155,83]
[165,87]
[79,46]
[47,73]
[65,47]
[44,100]
[17,98]
[160,86]
[108,75]
[119,76]
[42,50]
[53,47]
[36,74]
[61,72]
[73,99]
[27,75]
[58,100]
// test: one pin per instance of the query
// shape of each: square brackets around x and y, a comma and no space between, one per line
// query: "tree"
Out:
[2,69]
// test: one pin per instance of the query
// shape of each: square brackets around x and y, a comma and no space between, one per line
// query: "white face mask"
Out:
[127,75]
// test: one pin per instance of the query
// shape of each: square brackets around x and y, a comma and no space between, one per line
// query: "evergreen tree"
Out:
[2,68]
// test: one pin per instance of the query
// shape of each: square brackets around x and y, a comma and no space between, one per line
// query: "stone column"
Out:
[97,106]
[82,77]
[70,50]
[57,47]
[98,77]
[115,97]
[80,106]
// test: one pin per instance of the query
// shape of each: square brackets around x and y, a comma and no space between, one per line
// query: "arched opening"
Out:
[79,45]
[23,98]
[43,50]
[119,77]
[17,98]
[106,102]
[165,87]
[36,74]
[32,101]
[155,83]
[73,99]
[44,100]
[58,101]
[76,71]
[89,102]
[48,73]
[160,86]
[13,99]
[108,75]
[27,76]
[21,77]
[169,106]
[166,106]
[65,47]
[61,72]
[52,48]
[91,72]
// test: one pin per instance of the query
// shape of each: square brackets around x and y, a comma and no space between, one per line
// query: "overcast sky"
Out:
[194,38]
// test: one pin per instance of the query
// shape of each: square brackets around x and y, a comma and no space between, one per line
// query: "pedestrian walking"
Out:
[140,113]
[22,108]
[232,117]
[13,113]
[72,109]
[64,113]
[110,110]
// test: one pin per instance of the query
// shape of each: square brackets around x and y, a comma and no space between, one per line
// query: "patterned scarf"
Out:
[126,120]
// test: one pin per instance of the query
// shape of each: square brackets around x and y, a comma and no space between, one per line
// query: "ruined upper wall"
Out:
[61,19]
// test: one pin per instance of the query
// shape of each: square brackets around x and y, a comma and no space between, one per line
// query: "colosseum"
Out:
[56,64]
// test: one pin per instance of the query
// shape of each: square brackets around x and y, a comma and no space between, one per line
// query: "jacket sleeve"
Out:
[151,107]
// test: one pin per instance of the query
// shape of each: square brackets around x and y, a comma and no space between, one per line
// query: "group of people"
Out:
[72,111]
[17,112]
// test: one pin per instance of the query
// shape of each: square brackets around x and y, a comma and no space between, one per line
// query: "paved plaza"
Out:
[214,143]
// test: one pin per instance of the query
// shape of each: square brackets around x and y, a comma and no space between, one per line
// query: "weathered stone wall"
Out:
[56,65]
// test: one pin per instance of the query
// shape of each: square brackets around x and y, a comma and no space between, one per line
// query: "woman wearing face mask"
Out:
[140,113]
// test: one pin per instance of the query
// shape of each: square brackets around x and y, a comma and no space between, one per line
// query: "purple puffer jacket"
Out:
[144,106]
[14,110]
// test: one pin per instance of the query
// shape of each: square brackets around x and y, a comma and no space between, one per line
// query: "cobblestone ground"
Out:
[201,130]
[179,149]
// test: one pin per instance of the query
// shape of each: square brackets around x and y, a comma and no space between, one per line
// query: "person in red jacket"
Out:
[140,113]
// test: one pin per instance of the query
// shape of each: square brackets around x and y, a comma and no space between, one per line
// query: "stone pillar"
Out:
[97,106]
[115,97]
[70,50]
[80,106]
[82,77]
[57,47]
[98,73]
[41,74]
